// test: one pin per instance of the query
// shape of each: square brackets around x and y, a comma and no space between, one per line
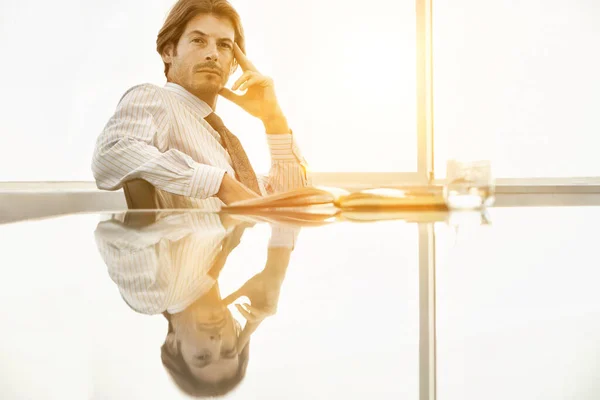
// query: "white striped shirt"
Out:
[164,266]
[160,135]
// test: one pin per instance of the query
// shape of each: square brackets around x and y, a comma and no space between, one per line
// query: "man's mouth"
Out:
[211,71]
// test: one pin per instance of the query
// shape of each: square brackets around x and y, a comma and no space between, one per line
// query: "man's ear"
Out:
[168,53]
[169,354]
[171,344]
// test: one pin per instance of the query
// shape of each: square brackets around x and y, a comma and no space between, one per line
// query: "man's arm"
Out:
[126,150]
[288,167]
[231,191]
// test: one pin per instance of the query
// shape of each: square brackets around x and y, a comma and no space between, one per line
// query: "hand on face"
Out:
[260,99]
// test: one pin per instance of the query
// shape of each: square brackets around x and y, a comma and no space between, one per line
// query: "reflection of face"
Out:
[202,60]
[208,346]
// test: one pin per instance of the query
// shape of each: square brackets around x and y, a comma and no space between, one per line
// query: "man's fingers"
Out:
[242,59]
[260,313]
[245,313]
[229,95]
[245,76]
[252,314]
[251,78]
[249,329]
[254,80]
[233,296]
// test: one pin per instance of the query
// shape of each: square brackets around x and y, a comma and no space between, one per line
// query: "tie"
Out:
[241,165]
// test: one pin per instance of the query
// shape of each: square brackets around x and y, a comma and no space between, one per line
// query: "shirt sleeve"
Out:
[128,148]
[283,236]
[288,167]
[144,264]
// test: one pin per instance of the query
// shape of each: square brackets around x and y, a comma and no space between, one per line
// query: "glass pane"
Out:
[518,307]
[516,83]
[345,76]
[346,321]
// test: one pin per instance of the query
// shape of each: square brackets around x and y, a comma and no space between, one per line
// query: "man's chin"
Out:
[207,87]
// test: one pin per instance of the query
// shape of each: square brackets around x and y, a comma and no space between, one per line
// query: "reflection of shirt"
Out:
[164,266]
[160,135]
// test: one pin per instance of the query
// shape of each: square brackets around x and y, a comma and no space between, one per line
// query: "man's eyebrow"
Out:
[197,32]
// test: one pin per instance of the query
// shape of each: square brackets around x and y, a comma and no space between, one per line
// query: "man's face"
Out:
[202,60]
[209,346]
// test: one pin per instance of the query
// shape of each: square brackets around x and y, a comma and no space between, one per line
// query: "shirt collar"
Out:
[197,105]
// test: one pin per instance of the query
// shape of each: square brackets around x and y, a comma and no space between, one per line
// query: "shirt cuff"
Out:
[206,181]
[281,147]
[283,236]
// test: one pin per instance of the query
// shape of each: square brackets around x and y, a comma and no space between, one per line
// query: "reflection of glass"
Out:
[469,184]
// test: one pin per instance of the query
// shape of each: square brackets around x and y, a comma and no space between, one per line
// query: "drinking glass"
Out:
[469,184]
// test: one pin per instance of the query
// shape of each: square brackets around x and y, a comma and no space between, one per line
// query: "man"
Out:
[171,138]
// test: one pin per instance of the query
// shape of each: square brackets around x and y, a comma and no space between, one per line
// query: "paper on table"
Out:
[382,198]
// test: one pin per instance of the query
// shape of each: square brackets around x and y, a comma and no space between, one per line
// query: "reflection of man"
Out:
[170,266]
[170,136]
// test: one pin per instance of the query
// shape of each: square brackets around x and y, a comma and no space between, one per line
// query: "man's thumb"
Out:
[234,296]
[229,95]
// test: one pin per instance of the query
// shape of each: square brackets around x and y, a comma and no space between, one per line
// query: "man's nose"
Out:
[216,341]
[212,53]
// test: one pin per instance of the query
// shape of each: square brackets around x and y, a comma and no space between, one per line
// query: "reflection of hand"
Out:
[263,291]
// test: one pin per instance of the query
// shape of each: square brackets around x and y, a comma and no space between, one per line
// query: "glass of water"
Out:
[469,184]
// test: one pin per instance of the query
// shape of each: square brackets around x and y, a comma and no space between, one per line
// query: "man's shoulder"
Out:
[144,92]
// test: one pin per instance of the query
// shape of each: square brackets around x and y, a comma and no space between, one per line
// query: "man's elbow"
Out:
[100,174]
[101,162]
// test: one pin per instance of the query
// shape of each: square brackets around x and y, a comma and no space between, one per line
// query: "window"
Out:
[515,82]
[345,73]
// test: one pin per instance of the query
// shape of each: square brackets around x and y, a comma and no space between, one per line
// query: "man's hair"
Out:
[174,363]
[184,10]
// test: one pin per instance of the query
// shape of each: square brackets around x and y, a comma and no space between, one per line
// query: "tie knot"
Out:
[215,121]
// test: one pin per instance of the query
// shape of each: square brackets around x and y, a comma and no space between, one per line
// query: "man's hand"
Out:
[263,288]
[263,292]
[260,99]
[231,191]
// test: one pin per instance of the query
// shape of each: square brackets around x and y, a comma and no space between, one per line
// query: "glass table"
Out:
[156,305]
